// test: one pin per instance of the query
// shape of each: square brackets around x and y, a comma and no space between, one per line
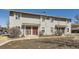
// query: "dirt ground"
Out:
[48,43]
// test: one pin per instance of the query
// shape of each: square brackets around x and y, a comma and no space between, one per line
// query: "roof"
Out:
[75,25]
[41,14]
[75,28]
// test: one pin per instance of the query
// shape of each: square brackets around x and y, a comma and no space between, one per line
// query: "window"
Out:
[47,17]
[30,16]
[67,29]
[43,29]
[51,20]
[68,20]
[43,19]
[28,30]
[23,26]
[17,15]
[51,29]
[11,13]
[18,27]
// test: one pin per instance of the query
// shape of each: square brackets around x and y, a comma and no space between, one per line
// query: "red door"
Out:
[35,30]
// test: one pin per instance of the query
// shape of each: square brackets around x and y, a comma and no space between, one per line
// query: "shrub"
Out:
[14,32]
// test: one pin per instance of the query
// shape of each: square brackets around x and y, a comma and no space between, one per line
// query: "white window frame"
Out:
[18,15]
[52,29]
[43,19]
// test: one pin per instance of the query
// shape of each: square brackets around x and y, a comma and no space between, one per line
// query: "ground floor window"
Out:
[23,26]
[67,29]
[59,30]
[28,30]
[52,29]
[42,31]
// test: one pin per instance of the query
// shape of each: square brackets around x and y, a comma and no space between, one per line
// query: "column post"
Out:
[24,30]
[31,30]
[38,30]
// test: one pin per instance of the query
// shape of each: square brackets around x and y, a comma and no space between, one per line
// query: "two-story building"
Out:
[32,24]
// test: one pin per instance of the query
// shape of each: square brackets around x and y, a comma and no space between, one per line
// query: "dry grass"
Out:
[48,43]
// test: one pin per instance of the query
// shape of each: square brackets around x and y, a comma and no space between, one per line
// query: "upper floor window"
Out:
[11,13]
[51,29]
[47,17]
[24,15]
[43,19]
[17,15]
[68,20]
[51,20]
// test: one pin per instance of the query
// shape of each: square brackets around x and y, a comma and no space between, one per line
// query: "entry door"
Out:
[35,30]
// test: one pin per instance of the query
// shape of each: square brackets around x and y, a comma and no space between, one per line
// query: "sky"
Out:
[69,13]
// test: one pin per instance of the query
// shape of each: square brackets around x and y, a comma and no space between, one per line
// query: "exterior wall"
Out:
[27,20]
[66,24]
[37,20]
[18,22]
[47,24]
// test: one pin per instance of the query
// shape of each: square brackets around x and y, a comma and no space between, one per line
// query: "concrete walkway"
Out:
[2,42]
